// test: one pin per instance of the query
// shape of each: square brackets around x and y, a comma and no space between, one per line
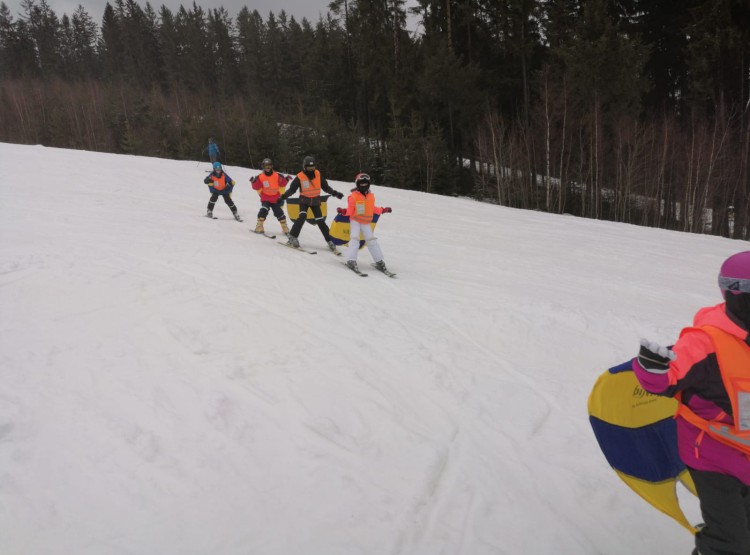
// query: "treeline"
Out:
[635,111]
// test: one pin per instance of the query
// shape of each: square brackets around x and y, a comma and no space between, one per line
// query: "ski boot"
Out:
[352,265]
[293,242]
[332,247]
[259,226]
[380,265]
[237,216]
[284,227]
[209,213]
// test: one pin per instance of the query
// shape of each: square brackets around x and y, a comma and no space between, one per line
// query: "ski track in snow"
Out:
[172,384]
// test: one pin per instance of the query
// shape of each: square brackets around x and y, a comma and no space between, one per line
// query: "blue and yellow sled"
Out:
[292,209]
[637,433]
[340,230]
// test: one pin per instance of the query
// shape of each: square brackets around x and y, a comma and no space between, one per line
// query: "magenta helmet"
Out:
[734,275]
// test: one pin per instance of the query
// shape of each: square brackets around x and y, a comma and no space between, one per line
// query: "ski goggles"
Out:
[734,285]
[363,178]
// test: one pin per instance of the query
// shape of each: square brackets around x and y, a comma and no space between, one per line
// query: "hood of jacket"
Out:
[717,317]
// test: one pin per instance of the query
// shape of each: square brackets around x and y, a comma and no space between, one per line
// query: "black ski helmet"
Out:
[362,181]
[308,162]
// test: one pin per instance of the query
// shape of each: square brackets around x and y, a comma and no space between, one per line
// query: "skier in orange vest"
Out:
[360,210]
[708,372]
[220,184]
[270,185]
[310,183]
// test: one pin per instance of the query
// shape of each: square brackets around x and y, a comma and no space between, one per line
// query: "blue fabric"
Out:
[213,149]
[648,453]
[624,367]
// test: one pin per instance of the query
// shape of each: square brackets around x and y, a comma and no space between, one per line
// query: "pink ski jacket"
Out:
[695,374]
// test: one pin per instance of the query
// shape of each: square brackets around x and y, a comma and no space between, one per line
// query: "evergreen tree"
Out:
[605,65]
[662,26]
[221,45]
[168,44]
[83,47]
[196,60]
[45,30]
[17,49]
[250,39]
[719,54]
[111,42]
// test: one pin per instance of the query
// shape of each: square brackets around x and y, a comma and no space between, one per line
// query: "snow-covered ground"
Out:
[171,384]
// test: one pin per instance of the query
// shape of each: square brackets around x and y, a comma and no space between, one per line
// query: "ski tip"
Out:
[287,245]
[386,272]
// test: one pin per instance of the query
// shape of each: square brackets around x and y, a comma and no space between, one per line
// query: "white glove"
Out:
[654,358]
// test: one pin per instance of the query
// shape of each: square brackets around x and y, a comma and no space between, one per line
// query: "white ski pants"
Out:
[355,228]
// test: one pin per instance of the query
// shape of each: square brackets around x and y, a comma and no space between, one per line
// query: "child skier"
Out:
[708,372]
[220,184]
[360,209]
[270,185]
[310,183]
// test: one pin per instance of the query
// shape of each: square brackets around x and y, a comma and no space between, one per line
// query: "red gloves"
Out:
[387,209]
[341,211]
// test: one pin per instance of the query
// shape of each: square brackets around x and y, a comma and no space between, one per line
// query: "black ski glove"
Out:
[654,358]
[338,195]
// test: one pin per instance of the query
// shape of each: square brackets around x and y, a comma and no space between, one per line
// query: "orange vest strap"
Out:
[733,356]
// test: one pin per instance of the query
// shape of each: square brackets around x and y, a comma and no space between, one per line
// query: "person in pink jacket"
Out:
[708,371]
[360,210]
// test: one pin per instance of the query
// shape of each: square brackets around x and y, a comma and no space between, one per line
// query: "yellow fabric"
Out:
[619,399]
[663,495]
[635,409]
[342,230]
[292,210]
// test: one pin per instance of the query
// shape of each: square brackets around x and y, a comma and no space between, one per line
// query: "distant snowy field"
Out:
[171,384]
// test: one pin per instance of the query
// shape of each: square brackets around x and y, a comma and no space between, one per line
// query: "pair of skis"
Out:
[212,217]
[362,274]
[337,253]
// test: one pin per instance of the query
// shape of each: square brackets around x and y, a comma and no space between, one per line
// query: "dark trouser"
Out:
[277,210]
[227,199]
[318,213]
[725,506]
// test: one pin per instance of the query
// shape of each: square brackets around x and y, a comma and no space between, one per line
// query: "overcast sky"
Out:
[311,9]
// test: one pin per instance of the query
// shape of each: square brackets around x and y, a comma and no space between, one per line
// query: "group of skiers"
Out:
[707,370]
[274,189]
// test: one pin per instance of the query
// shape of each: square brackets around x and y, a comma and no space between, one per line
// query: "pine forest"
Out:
[634,111]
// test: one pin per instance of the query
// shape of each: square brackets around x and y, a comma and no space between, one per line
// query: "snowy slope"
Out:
[172,384]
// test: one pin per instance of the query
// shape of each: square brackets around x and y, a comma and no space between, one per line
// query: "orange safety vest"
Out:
[270,183]
[220,183]
[309,188]
[364,206]
[733,356]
